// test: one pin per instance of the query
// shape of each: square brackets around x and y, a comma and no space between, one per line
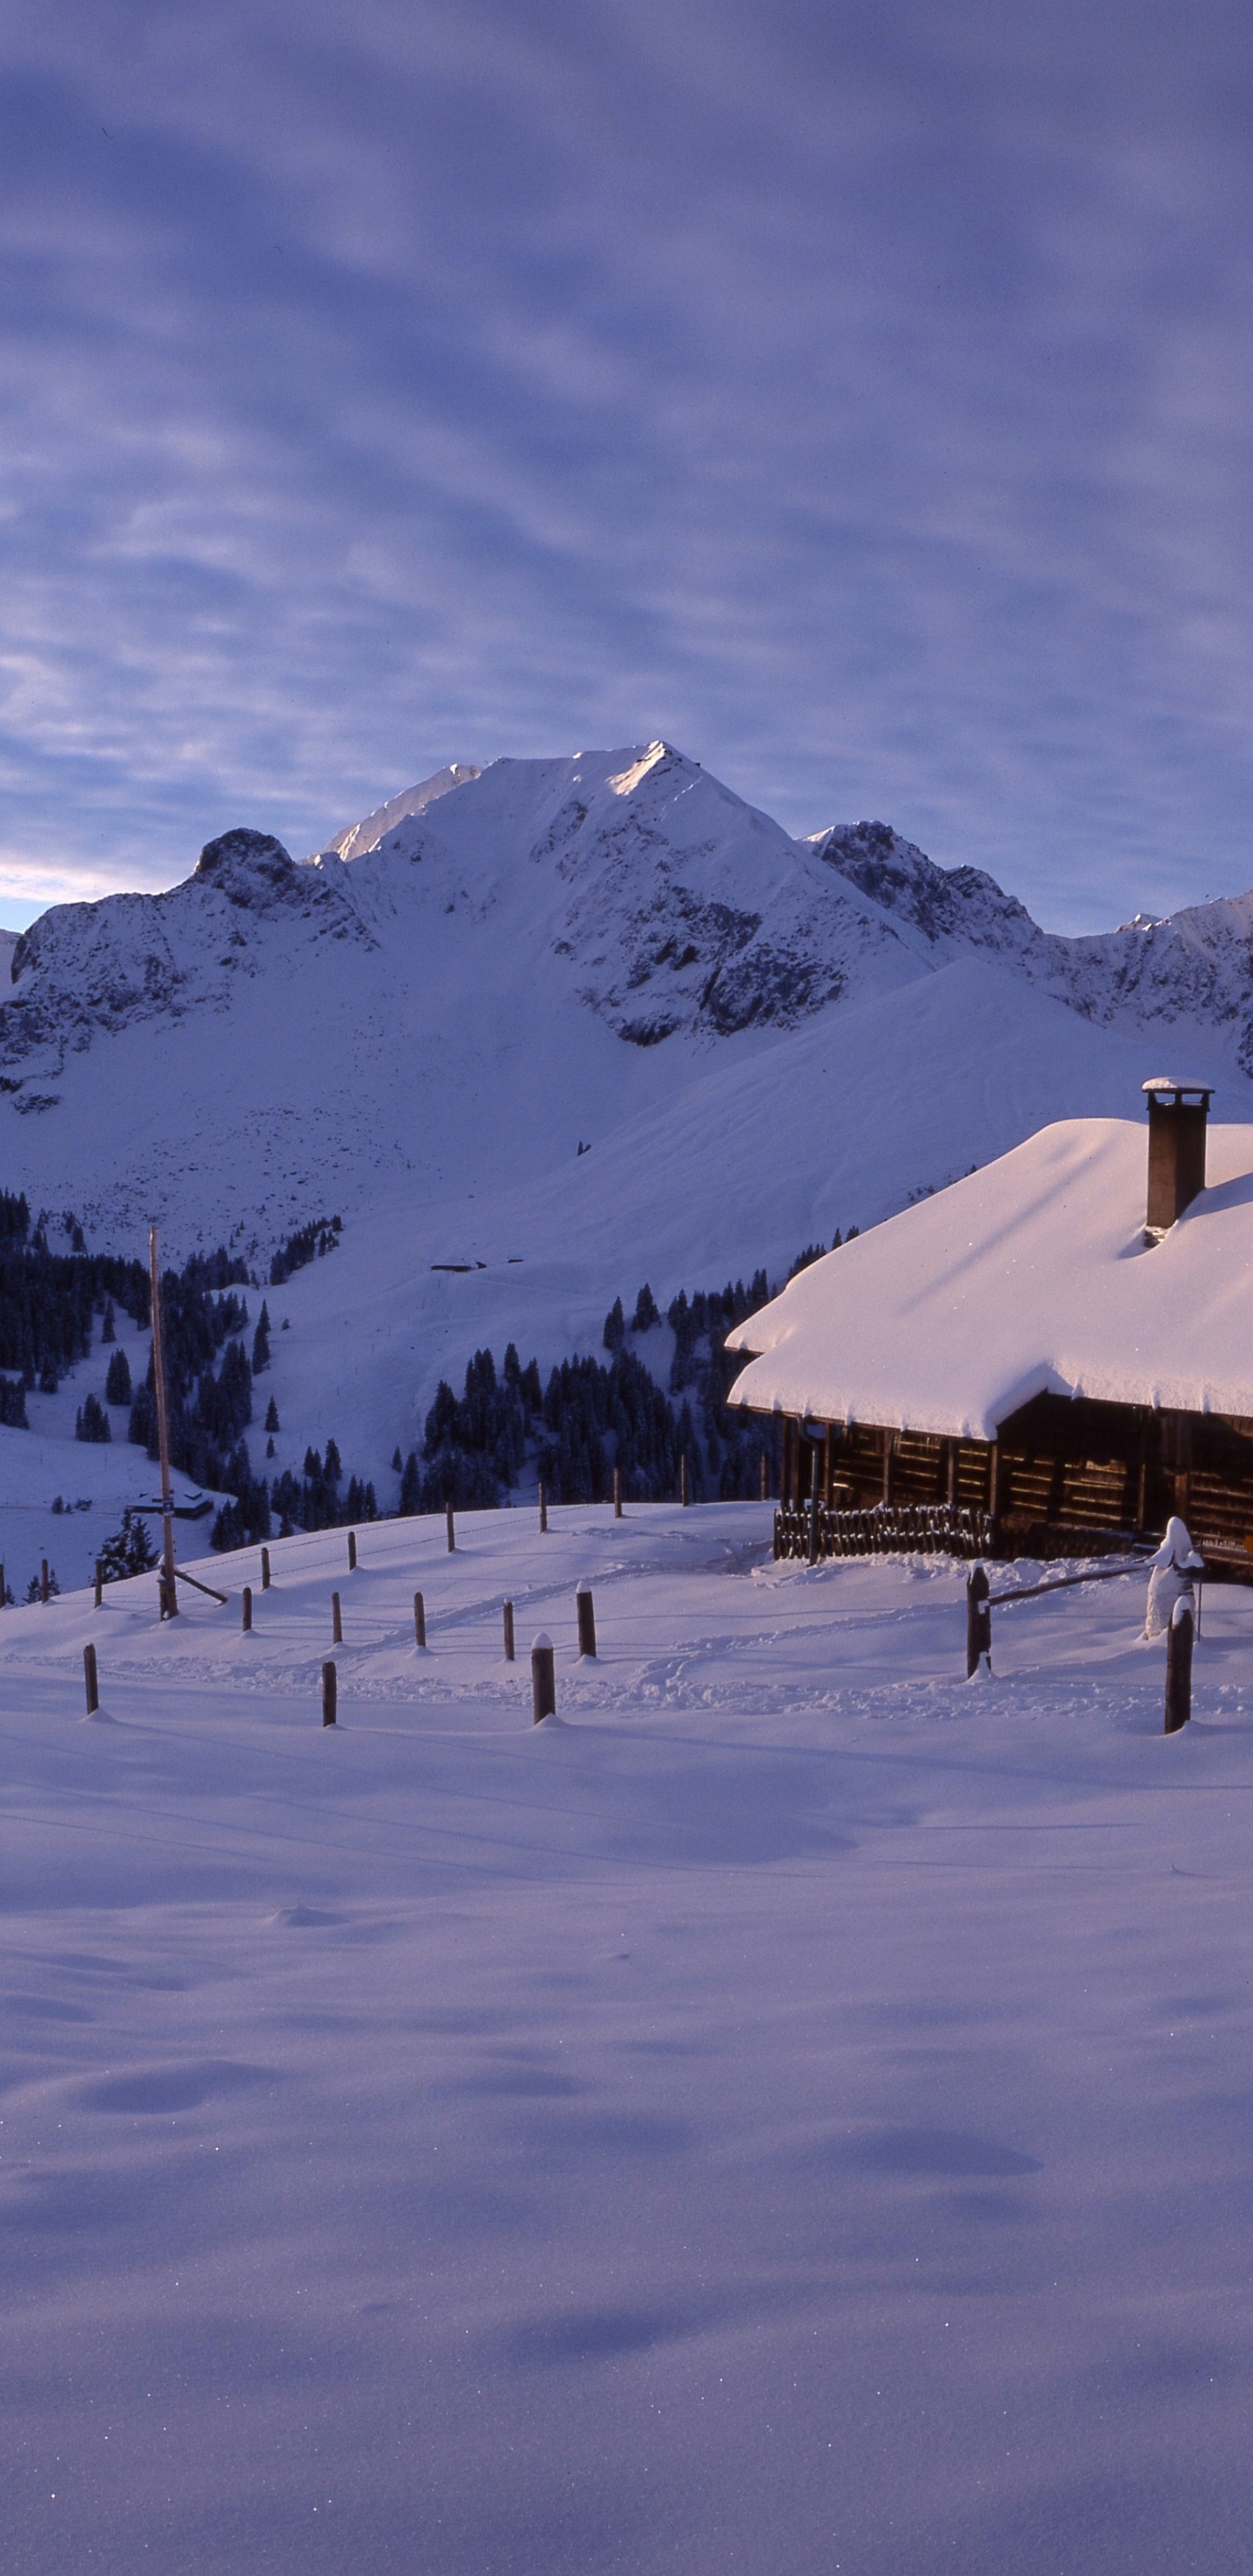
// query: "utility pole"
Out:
[169,1589]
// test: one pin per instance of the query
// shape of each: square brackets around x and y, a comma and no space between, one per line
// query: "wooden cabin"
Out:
[1044,1359]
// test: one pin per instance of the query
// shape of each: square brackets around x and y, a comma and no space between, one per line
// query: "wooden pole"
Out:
[43,1578]
[685,1491]
[509,1653]
[617,1493]
[99,1583]
[247,1620]
[586,1609]
[169,1592]
[1179,1666]
[543,1679]
[337,1625]
[452,1535]
[419,1622]
[265,1569]
[352,1551]
[978,1621]
[4,1591]
[329,1685]
[89,1676]
[543,1510]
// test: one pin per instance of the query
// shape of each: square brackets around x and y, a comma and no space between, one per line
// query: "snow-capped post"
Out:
[1179,1637]
[352,1551]
[99,1583]
[543,1511]
[509,1654]
[543,1678]
[167,1588]
[452,1535]
[586,1610]
[337,1625]
[265,1569]
[247,1617]
[329,1684]
[617,1493]
[685,1487]
[978,1621]
[419,1622]
[89,1676]
[43,1578]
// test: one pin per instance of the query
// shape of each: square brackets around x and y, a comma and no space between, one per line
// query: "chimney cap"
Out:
[1163,1082]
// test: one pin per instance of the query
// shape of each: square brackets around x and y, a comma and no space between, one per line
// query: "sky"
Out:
[856,396]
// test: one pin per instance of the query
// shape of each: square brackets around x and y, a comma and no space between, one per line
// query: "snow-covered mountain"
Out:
[426,1027]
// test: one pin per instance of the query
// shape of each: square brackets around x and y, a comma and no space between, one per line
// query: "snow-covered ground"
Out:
[790,2113]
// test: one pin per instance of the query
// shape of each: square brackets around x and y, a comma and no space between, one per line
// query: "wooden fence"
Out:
[934,1529]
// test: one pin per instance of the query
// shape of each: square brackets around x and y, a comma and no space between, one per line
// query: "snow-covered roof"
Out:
[1030,1276]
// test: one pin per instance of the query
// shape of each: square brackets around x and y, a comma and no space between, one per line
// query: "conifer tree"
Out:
[272,1422]
[117,1385]
[108,1329]
[647,1312]
[91,1421]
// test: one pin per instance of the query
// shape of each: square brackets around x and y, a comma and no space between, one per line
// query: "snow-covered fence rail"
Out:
[981,1601]
[940,1529]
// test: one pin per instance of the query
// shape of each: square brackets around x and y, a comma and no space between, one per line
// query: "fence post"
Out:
[329,1684]
[419,1622]
[509,1655]
[4,1591]
[586,1609]
[43,1578]
[813,1528]
[352,1551]
[247,1620]
[543,1510]
[99,1583]
[265,1569]
[617,1493]
[685,1490]
[452,1535]
[89,1676]
[543,1679]
[978,1621]
[1179,1666]
[337,1625]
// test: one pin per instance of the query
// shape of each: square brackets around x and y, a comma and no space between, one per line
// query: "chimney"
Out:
[1178,1112]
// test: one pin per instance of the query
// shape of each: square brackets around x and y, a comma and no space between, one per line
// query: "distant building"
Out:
[1032,1361]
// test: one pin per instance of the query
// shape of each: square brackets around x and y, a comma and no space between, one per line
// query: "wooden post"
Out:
[4,1591]
[543,1510]
[265,1569]
[684,1488]
[1179,1666]
[452,1535]
[329,1685]
[509,1655]
[99,1583]
[247,1618]
[337,1625]
[617,1493]
[89,1676]
[543,1679]
[586,1609]
[169,1589]
[889,1454]
[419,1622]
[978,1621]
[43,1579]
[352,1551]
[813,1527]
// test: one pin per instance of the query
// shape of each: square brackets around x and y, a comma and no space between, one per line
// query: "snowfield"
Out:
[791,2112]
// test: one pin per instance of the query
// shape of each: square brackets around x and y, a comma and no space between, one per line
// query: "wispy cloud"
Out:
[858,397]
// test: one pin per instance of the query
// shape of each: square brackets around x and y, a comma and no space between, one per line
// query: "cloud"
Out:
[858,397]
